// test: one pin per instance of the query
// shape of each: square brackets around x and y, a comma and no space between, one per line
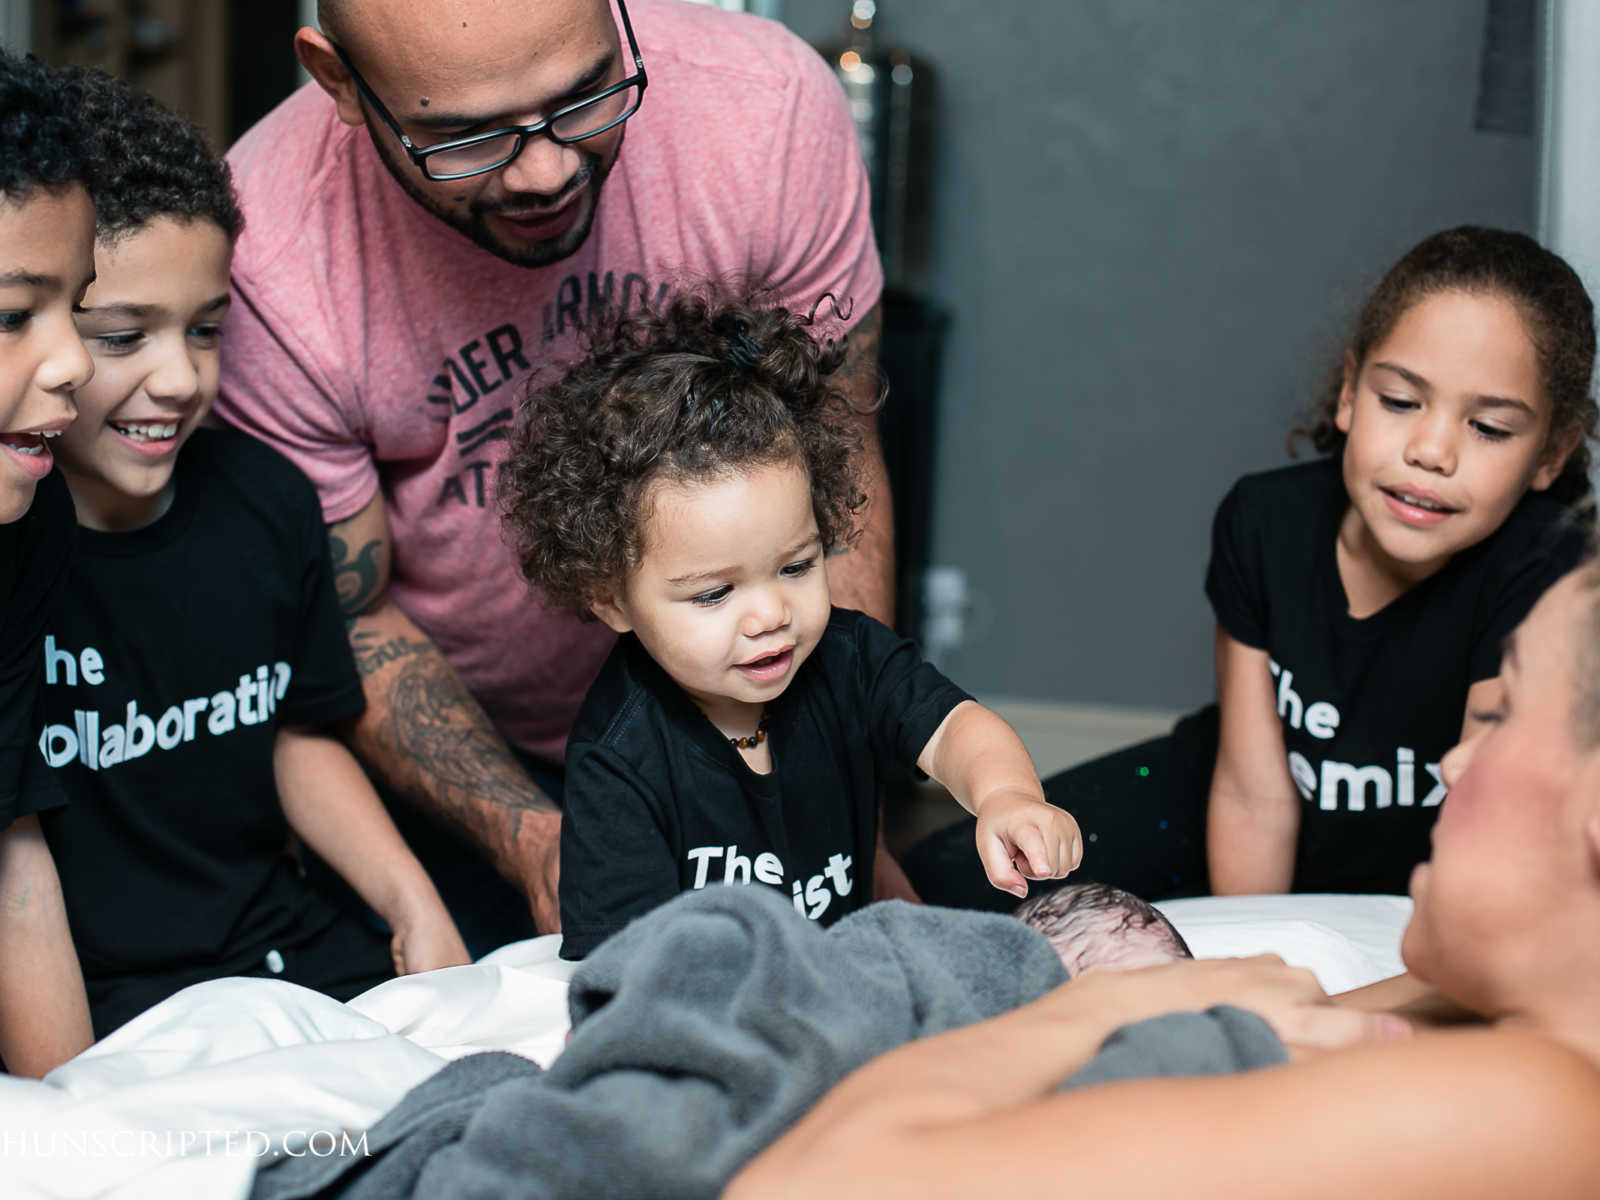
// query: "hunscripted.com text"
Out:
[179,1143]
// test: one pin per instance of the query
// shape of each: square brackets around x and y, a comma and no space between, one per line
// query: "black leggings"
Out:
[1142,811]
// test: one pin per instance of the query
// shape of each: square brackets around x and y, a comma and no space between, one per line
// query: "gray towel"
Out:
[702,1031]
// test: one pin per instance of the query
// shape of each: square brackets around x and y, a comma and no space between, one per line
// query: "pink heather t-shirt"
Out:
[383,351]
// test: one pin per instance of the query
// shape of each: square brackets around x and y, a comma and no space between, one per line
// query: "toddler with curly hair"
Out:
[683,483]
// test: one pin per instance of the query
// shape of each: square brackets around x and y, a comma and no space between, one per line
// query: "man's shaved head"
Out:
[330,15]
[355,21]
[445,69]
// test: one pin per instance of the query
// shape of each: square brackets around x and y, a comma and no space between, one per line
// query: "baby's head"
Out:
[683,481]
[166,219]
[1094,927]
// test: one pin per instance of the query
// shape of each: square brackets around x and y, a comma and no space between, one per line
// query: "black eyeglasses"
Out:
[484,152]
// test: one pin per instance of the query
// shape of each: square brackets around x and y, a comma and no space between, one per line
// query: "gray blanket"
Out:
[1219,1041]
[701,1032]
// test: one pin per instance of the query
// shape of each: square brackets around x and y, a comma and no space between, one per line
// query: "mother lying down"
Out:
[1506,929]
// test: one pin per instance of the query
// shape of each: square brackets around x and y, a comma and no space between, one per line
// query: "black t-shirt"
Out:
[173,656]
[657,802]
[1368,707]
[34,553]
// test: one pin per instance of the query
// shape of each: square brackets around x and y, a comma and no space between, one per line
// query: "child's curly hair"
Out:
[152,162]
[43,140]
[714,384]
[1547,292]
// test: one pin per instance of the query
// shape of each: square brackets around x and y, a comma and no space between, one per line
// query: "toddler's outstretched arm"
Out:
[1253,817]
[983,762]
[332,807]
[44,1013]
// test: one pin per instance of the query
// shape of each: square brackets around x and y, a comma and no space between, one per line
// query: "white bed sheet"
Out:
[190,1098]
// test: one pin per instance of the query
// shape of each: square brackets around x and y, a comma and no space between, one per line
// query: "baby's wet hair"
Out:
[1093,926]
[43,140]
[151,161]
[1546,291]
[714,384]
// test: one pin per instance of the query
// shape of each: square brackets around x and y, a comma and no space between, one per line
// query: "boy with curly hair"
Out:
[196,666]
[682,483]
[46,261]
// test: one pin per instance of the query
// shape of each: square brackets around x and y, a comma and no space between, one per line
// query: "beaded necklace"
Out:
[756,738]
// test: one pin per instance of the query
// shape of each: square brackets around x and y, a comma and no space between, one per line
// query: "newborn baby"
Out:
[1093,927]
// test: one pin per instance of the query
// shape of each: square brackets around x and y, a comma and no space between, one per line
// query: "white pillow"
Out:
[1348,941]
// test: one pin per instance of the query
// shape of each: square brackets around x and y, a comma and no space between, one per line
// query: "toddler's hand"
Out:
[1020,837]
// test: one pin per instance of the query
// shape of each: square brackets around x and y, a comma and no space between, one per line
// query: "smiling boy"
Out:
[196,666]
[46,261]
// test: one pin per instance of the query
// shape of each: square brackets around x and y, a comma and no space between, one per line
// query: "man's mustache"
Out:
[523,201]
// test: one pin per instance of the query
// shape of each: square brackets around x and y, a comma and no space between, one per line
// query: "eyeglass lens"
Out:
[581,121]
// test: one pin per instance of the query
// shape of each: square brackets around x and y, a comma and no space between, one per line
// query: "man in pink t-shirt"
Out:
[393,294]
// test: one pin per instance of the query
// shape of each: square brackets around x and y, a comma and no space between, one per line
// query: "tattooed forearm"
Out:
[358,578]
[432,745]
[436,744]
[373,653]
[461,771]
[444,731]
[424,735]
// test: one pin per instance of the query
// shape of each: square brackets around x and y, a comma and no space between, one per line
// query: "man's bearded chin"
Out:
[470,222]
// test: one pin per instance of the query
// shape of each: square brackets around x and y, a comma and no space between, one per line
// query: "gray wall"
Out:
[1154,220]
[16,25]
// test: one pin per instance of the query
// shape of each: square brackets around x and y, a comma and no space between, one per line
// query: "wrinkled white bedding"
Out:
[190,1098]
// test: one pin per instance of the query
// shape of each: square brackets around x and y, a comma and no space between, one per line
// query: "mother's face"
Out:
[1516,851]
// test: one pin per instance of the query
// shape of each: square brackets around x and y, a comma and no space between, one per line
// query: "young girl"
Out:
[683,484]
[1361,599]
[196,662]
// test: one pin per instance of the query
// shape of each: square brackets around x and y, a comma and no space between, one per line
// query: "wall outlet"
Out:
[945,604]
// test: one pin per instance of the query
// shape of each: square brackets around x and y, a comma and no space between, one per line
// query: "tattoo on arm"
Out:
[373,655]
[356,579]
[435,746]
[425,735]
[458,763]
[859,377]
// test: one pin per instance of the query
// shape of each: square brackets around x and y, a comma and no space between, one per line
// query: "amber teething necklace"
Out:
[756,738]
